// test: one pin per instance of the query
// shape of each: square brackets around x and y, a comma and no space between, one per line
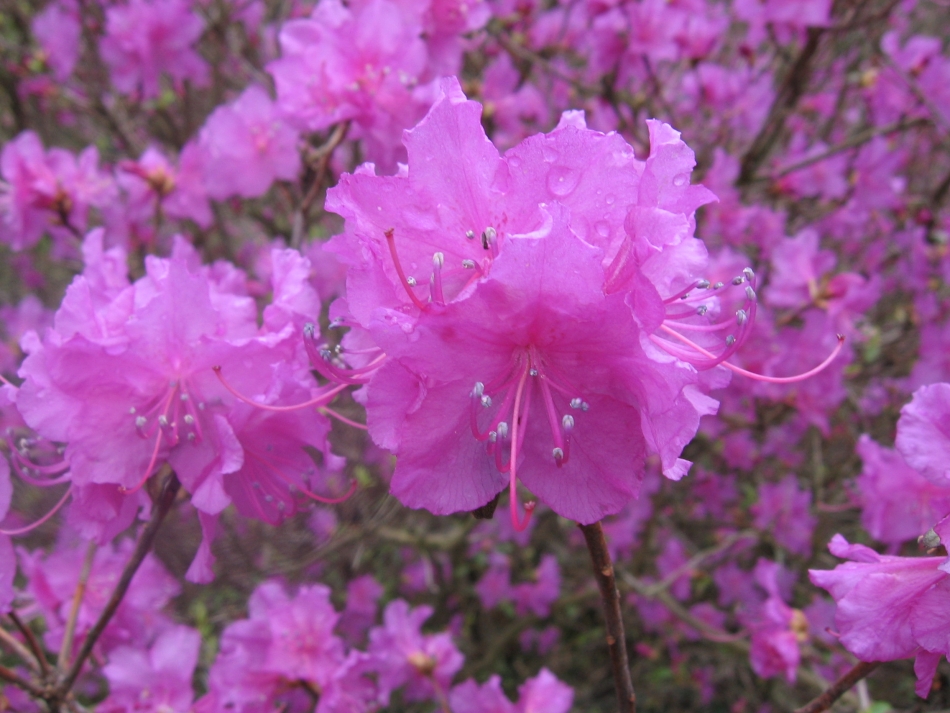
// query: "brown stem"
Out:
[322,156]
[63,661]
[839,687]
[785,100]
[31,641]
[12,677]
[7,639]
[616,640]
[162,505]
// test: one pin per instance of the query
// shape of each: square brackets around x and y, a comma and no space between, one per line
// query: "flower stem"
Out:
[162,505]
[78,595]
[616,640]
[839,687]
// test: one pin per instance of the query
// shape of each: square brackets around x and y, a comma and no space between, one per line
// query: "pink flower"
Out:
[558,276]
[58,30]
[50,190]
[783,510]
[898,503]
[404,656]
[890,607]
[542,694]
[148,38]
[245,146]
[922,436]
[363,63]
[156,680]
[7,556]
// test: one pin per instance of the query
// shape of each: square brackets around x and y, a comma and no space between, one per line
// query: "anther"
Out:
[163,421]
[486,400]
[702,285]
[730,340]
[132,410]
[576,402]
[488,237]
[438,259]
[558,454]
[750,293]
[309,330]
[470,234]
[492,436]
[140,421]
[533,372]
[411,281]
[741,316]
[183,397]
[189,419]
[191,436]
[502,430]
[749,275]
[479,389]
[702,310]
[718,286]
[738,280]
[567,422]
[685,296]
[468,264]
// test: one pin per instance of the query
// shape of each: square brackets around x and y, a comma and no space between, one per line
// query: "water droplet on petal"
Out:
[549,152]
[562,180]
[603,228]
[680,180]
[514,161]
[610,199]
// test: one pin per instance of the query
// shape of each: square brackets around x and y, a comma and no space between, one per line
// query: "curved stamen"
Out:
[148,469]
[342,419]
[20,469]
[435,282]
[752,375]
[43,519]
[321,400]
[516,522]
[296,486]
[399,271]
[682,293]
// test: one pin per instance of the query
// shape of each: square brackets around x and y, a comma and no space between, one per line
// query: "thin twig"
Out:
[322,156]
[12,677]
[839,687]
[31,641]
[695,561]
[63,661]
[7,639]
[616,640]
[162,505]
[862,137]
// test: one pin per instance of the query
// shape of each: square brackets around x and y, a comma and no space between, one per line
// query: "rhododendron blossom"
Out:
[550,345]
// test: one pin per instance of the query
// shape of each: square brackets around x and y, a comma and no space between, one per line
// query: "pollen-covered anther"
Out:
[479,389]
[738,280]
[488,237]
[533,372]
[438,259]
[502,430]
[741,316]
[163,421]
[749,274]
[702,310]
[486,400]
[189,419]
[567,423]
[718,286]
[558,454]
[470,234]
[411,281]
[702,285]
[750,294]
[468,264]
[730,340]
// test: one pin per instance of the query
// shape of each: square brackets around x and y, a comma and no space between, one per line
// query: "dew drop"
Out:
[603,228]
[680,180]
[514,161]
[610,198]
[562,181]
[549,152]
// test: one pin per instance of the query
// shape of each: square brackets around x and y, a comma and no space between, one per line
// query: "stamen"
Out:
[468,264]
[702,285]
[399,271]
[470,234]
[516,522]
[738,280]
[37,523]
[488,237]
[342,419]
[752,375]
[321,400]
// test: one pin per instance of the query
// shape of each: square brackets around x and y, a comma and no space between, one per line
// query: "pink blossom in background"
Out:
[7,556]
[922,435]
[405,657]
[47,190]
[245,146]
[783,510]
[58,30]
[146,39]
[542,694]
[156,680]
